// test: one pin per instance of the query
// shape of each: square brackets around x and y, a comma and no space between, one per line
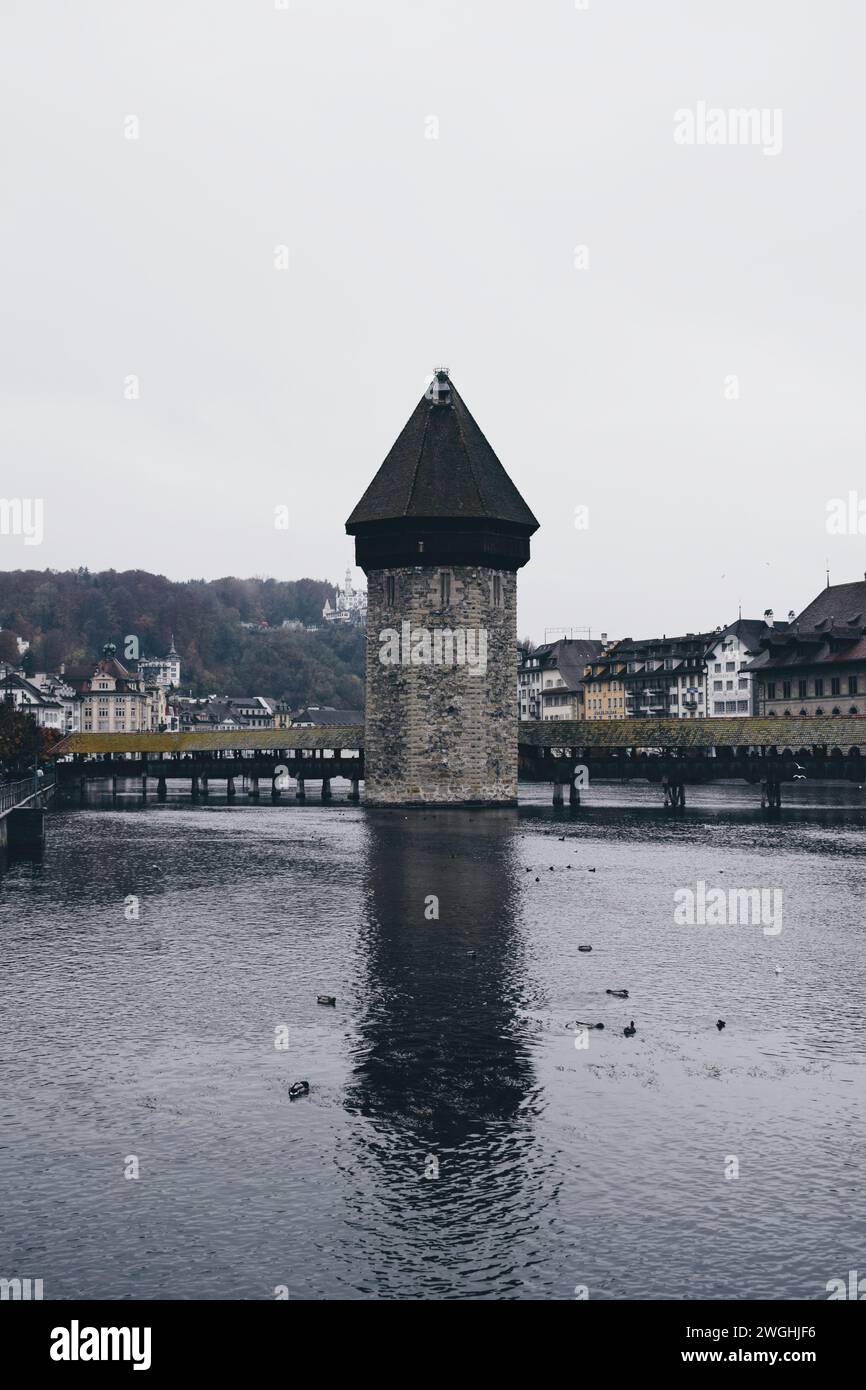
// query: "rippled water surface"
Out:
[448,1045]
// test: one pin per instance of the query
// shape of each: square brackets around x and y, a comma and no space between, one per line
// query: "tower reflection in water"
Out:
[442,1181]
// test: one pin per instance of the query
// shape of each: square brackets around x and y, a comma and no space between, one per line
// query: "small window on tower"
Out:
[390,587]
[497,591]
[444,588]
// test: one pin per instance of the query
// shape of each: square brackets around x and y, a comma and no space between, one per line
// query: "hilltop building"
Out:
[440,534]
[164,671]
[350,605]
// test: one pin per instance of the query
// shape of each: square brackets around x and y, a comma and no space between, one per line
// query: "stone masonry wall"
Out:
[440,733]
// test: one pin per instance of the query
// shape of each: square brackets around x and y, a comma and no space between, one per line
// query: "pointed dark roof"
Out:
[442,468]
[839,604]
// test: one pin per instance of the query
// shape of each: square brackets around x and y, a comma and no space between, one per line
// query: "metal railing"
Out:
[13,793]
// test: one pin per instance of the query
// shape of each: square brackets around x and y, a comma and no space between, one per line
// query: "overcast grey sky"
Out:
[603,387]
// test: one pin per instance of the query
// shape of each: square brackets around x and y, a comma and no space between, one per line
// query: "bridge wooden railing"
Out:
[18,793]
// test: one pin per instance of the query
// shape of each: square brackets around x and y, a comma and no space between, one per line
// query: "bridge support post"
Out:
[355,789]
[230,787]
[301,793]
[114,788]
[573,795]
[203,786]
[161,789]
[771,795]
[275,791]
[26,830]
[557,793]
[194,786]
[144,784]
[253,786]
[326,788]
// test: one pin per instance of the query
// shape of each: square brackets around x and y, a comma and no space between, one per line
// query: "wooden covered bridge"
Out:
[670,752]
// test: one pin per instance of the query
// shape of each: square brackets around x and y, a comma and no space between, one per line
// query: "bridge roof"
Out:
[212,740]
[838,732]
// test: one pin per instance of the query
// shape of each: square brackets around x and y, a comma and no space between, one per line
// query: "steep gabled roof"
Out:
[569,656]
[442,467]
[840,604]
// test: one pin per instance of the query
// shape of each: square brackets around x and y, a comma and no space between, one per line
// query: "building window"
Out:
[497,591]
[819,710]
[717,685]
[390,587]
[802,689]
[730,666]
[445,587]
[819,688]
[835,685]
[771,690]
[853,709]
[743,706]
[786,690]
[852,685]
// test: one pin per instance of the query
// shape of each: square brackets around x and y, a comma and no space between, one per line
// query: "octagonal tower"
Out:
[441,533]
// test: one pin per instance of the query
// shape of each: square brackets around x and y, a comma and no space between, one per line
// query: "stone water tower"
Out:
[441,533]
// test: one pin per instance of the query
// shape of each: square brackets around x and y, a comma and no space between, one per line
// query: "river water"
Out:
[455,1142]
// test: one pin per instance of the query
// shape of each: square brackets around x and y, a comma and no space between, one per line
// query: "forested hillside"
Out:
[69,615]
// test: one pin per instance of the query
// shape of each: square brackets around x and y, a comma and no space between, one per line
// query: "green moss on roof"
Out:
[206,741]
[838,732]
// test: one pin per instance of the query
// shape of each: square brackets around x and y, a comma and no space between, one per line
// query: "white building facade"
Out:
[350,605]
[730,688]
